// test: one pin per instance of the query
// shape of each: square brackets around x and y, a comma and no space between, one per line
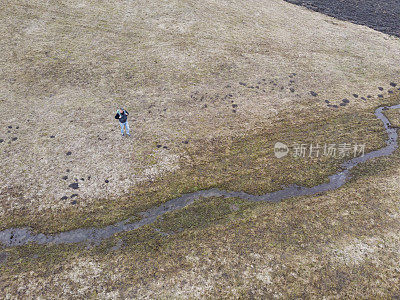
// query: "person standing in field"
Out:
[122,116]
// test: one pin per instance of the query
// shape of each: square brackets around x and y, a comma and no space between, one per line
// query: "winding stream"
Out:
[21,236]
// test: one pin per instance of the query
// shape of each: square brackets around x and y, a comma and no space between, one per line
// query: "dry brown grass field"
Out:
[210,86]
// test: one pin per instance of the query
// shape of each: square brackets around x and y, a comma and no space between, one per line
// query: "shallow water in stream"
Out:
[21,236]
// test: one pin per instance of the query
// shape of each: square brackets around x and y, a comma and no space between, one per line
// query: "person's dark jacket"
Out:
[122,116]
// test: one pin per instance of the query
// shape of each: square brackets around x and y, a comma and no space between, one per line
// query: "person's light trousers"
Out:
[126,127]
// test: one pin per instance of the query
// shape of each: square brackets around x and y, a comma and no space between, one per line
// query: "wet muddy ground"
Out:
[381,15]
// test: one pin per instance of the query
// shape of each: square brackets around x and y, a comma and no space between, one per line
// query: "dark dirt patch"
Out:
[381,15]
[74,185]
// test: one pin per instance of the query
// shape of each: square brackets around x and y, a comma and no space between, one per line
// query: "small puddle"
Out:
[21,236]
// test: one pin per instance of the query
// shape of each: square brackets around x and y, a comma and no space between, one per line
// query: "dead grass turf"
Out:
[178,68]
[238,164]
[341,244]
